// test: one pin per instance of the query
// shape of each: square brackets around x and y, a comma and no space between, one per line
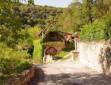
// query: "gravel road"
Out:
[69,73]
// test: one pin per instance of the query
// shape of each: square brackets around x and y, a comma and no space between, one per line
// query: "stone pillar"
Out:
[76,40]
[75,55]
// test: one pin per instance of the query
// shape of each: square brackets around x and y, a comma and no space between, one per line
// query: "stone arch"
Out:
[51,51]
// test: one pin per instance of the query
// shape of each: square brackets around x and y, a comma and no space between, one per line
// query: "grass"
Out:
[67,58]
[61,54]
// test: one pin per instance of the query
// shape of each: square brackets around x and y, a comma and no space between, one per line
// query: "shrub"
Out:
[34,32]
[38,51]
[11,59]
[8,65]
[69,46]
[13,65]
[9,53]
[100,29]
[20,54]
[23,65]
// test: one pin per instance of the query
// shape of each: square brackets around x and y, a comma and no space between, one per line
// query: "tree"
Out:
[9,22]
[31,2]
[76,15]
[87,11]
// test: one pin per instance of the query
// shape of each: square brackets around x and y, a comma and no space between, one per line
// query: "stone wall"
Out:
[26,77]
[96,55]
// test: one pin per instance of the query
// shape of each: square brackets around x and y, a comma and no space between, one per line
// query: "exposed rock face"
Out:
[96,55]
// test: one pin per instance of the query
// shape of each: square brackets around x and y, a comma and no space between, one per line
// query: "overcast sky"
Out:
[55,3]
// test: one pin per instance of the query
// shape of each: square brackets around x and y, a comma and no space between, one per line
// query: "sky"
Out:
[55,3]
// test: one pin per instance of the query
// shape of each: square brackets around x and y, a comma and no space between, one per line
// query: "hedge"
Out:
[38,51]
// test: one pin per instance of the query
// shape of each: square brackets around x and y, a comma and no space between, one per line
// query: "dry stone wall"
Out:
[23,78]
[26,77]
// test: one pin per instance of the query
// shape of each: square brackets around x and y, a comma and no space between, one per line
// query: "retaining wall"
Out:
[27,77]
[96,55]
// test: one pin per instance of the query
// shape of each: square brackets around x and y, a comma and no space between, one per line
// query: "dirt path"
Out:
[69,73]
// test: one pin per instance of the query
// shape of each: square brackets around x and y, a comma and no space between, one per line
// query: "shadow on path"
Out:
[76,79]
[39,77]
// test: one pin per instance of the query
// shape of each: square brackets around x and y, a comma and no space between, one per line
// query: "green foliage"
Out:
[8,65]
[38,15]
[79,14]
[13,65]
[28,35]
[7,52]
[31,2]
[66,21]
[39,45]
[25,64]
[100,29]
[69,46]
[34,32]
[61,54]
[12,61]
[16,17]
[10,24]
[38,51]
[68,57]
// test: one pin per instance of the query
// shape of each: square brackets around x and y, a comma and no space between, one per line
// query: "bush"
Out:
[13,65]
[69,46]
[38,51]
[11,59]
[8,65]
[23,65]
[20,54]
[100,29]
[34,32]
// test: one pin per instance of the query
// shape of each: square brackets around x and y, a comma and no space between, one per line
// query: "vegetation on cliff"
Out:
[20,25]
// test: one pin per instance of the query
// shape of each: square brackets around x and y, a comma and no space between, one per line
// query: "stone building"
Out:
[54,42]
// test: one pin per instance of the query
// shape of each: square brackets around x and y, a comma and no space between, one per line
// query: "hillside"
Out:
[32,15]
